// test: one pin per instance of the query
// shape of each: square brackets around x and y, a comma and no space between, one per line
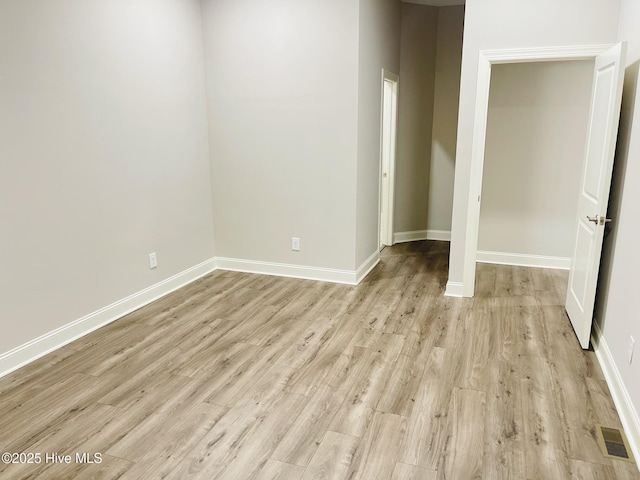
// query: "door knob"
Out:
[598,220]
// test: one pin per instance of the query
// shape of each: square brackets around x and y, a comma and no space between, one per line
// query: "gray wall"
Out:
[445,115]
[415,115]
[431,55]
[282,82]
[379,47]
[103,155]
[536,130]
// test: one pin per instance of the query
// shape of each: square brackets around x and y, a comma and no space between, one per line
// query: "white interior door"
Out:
[594,189]
[387,155]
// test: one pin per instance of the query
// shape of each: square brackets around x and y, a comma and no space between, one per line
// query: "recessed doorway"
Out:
[388,133]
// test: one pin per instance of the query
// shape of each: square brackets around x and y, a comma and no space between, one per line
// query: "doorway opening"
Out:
[536,128]
[388,141]
[595,179]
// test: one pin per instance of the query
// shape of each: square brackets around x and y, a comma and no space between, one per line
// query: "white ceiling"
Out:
[436,3]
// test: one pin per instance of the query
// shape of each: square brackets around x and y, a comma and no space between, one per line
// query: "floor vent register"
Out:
[613,443]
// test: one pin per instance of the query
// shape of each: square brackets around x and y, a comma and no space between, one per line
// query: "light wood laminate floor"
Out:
[241,376]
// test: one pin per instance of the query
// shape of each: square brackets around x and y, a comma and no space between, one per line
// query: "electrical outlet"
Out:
[632,343]
[295,244]
[153,260]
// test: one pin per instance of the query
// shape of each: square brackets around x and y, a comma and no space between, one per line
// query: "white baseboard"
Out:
[368,265]
[454,289]
[348,277]
[441,235]
[34,349]
[402,237]
[30,351]
[626,410]
[523,260]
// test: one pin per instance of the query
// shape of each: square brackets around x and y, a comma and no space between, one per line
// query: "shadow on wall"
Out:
[629,94]
[445,149]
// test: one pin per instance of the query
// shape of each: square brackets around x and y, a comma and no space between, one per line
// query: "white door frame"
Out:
[385,231]
[487,59]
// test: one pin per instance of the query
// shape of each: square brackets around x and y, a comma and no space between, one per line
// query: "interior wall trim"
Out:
[34,349]
[366,267]
[454,289]
[621,398]
[415,235]
[441,235]
[348,277]
[524,260]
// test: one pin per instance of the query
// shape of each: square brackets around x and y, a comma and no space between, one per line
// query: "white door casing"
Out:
[594,189]
[389,115]
[386,160]
[487,58]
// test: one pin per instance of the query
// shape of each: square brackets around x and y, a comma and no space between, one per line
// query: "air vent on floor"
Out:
[614,444]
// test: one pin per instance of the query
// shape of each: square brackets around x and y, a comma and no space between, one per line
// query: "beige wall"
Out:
[497,24]
[415,115]
[536,130]
[431,54]
[282,82]
[445,117]
[617,306]
[103,155]
[379,47]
